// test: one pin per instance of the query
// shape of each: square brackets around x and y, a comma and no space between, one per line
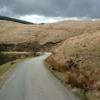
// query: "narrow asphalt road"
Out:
[33,81]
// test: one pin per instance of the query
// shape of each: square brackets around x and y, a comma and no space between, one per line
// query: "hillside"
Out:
[28,37]
[14,20]
[75,47]
[78,59]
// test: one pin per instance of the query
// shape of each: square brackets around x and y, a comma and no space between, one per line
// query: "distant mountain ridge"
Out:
[14,20]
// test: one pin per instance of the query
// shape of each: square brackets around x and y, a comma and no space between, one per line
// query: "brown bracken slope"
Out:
[21,37]
[78,58]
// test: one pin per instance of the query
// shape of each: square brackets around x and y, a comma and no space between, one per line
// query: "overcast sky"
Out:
[51,8]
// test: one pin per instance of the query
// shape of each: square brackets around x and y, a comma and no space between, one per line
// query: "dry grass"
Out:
[16,33]
[64,30]
[11,32]
[79,60]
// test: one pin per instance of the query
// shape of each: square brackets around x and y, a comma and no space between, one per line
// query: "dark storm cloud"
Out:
[65,8]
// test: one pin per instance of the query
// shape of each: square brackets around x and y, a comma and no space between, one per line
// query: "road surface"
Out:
[33,81]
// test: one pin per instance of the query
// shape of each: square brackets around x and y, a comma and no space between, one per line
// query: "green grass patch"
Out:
[5,67]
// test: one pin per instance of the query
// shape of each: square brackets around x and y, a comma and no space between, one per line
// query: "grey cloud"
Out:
[64,8]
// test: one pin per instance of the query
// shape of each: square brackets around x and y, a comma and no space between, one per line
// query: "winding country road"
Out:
[33,81]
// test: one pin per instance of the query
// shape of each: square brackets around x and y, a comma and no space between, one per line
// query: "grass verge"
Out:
[6,70]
